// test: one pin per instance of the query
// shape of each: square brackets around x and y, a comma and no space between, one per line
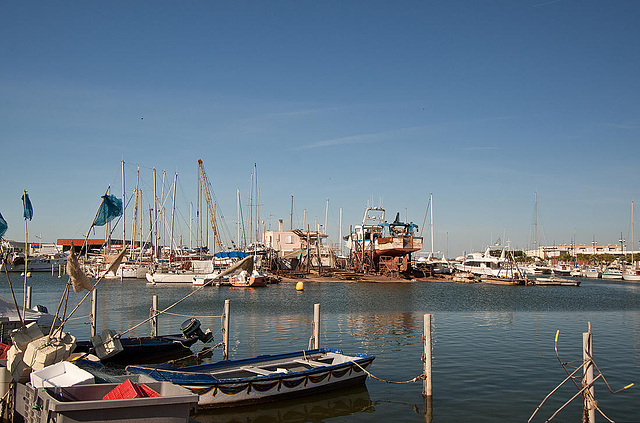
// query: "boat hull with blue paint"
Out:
[264,378]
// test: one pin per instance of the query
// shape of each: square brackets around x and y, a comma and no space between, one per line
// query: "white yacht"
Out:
[484,264]
[48,256]
[612,273]
[631,274]
[592,273]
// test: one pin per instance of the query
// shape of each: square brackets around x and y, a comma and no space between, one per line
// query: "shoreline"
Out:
[356,278]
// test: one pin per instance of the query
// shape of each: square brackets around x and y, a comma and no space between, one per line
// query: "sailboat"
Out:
[632,274]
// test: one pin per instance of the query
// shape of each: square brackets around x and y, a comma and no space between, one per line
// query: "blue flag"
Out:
[28,209]
[110,208]
[3,226]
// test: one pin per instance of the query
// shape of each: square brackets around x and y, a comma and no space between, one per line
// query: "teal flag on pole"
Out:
[110,208]
[3,226]
[28,209]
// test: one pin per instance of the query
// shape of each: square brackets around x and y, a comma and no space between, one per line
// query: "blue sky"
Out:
[480,103]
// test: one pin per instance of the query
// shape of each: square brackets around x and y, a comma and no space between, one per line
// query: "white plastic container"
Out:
[45,351]
[106,344]
[16,366]
[61,375]
[21,337]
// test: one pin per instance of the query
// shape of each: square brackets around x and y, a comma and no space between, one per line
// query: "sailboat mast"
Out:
[291,215]
[154,252]
[238,217]
[431,204]
[173,210]
[26,253]
[255,171]
[632,233]
[340,230]
[326,216]
[135,215]
[535,222]
[251,210]
[162,216]
[124,202]
[107,227]
[141,219]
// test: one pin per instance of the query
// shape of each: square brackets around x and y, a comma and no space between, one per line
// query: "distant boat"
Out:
[632,274]
[555,281]
[612,273]
[185,273]
[264,378]
[464,277]
[486,265]
[13,261]
[246,280]
[496,280]
[562,270]
[592,273]
[538,269]
[237,272]
[381,246]
[576,273]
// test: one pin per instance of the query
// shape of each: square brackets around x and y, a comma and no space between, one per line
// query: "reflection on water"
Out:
[318,407]
[493,356]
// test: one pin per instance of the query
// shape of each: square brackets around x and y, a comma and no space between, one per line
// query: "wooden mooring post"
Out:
[588,398]
[29,292]
[427,388]
[94,311]
[225,334]
[316,326]
[154,313]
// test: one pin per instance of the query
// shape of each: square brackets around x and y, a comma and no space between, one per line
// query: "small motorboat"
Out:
[246,280]
[264,378]
[555,281]
[154,349]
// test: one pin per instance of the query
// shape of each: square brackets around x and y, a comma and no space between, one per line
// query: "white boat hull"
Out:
[632,276]
[35,265]
[159,277]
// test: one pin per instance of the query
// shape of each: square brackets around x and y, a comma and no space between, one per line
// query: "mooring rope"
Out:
[161,311]
[415,379]
[198,353]
[190,315]
[583,389]
[80,317]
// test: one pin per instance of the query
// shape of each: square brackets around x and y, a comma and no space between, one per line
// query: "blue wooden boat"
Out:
[264,378]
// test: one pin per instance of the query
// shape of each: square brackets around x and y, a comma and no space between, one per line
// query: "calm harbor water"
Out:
[493,353]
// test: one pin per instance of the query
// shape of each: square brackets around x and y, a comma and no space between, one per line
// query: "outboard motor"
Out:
[41,309]
[191,328]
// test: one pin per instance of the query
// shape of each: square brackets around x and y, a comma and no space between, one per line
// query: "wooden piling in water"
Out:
[29,291]
[589,410]
[154,313]
[316,326]
[427,388]
[225,334]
